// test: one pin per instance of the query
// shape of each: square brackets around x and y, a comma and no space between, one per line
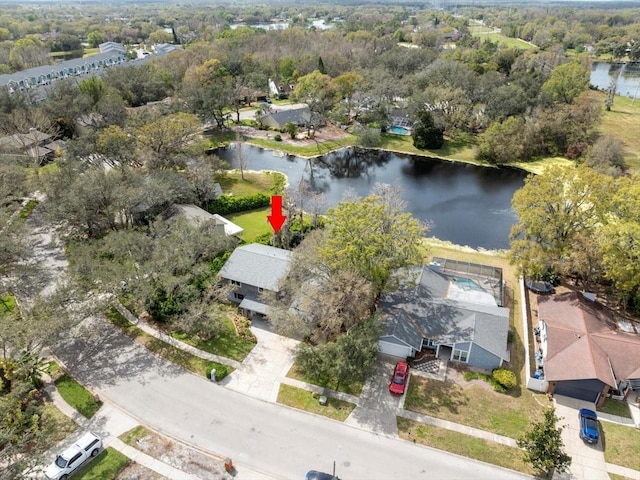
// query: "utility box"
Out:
[323,400]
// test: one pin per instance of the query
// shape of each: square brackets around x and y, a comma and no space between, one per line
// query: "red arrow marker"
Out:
[276,219]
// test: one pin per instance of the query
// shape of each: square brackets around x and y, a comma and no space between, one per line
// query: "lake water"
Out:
[467,205]
[628,77]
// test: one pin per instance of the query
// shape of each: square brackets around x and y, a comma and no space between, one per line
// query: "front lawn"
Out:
[77,396]
[475,405]
[136,433]
[195,364]
[254,222]
[106,466]
[621,445]
[354,388]
[57,423]
[461,444]
[308,401]
[616,407]
[226,344]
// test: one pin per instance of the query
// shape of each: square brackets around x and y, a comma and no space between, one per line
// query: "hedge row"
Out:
[226,204]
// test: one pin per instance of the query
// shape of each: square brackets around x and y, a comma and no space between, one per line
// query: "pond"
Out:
[628,75]
[465,204]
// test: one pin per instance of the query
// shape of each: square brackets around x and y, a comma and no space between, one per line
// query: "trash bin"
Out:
[213,375]
[228,465]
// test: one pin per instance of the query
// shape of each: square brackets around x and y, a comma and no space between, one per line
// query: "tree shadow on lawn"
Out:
[426,395]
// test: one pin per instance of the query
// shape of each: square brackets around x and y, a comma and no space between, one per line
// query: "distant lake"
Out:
[628,77]
[467,205]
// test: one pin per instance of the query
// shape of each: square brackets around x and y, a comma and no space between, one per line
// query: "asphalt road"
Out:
[273,439]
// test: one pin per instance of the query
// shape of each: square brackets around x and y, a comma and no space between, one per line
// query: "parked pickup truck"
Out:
[73,457]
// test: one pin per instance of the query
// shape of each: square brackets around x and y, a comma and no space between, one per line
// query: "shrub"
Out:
[221,372]
[505,377]
[226,204]
[278,137]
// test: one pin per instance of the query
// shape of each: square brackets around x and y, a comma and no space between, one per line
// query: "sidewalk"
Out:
[110,422]
[154,332]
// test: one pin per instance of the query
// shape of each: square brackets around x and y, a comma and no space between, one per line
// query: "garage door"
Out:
[394,349]
[573,391]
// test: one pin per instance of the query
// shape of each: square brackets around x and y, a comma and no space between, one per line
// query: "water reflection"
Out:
[466,205]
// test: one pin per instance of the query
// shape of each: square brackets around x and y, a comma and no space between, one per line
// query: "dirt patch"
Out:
[177,455]
[456,375]
[135,471]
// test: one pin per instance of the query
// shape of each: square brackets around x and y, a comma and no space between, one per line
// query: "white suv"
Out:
[70,460]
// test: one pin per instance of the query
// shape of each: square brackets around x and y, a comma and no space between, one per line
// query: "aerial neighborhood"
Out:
[345,240]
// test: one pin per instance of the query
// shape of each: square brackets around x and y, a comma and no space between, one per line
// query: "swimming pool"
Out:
[399,130]
[465,282]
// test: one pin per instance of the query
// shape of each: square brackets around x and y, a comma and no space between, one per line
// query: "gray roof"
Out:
[45,70]
[259,265]
[112,47]
[425,309]
[294,115]
[197,215]
[253,305]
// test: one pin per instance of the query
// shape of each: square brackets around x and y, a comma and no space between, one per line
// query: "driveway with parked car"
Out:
[587,459]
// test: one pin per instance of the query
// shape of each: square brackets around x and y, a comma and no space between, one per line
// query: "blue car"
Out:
[588,426]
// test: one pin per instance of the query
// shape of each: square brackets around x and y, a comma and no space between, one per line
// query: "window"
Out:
[239,296]
[236,283]
[460,355]
[428,343]
[75,458]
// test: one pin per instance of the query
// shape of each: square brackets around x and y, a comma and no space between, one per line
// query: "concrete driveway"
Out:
[280,442]
[377,408]
[260,373]
[587,460]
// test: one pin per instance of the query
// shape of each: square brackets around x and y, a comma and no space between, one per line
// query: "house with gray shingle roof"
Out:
[453,315]
[279,118]
[252,270]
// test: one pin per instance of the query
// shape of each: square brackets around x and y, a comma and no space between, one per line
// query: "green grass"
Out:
[487,32]
[305,151]
[27,209]
[7,303]
[354,388]
[254,223]
[613,476]
[136,433]
[308,401]
[621,445]
[623,123]
[77,396]
[538,166]
[57,423]
[459,148]
[254,182]
[90,51]
[616,407]
[464,445]
[106,466]
[474,405]
[226,343]
[52,368]
[192,363]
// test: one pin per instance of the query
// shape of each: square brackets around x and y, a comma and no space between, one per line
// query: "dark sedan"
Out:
[588,426]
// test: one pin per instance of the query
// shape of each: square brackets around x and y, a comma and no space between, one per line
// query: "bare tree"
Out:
[240,156]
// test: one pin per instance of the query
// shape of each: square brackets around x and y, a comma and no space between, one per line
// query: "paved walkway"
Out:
[109,423]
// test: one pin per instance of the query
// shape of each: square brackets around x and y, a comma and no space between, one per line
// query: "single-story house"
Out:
[279,118]
[253,269]
[34,144]
[197,215]
[453,315]
[584,353]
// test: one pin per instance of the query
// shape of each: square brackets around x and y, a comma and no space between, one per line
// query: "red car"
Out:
[399,380]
